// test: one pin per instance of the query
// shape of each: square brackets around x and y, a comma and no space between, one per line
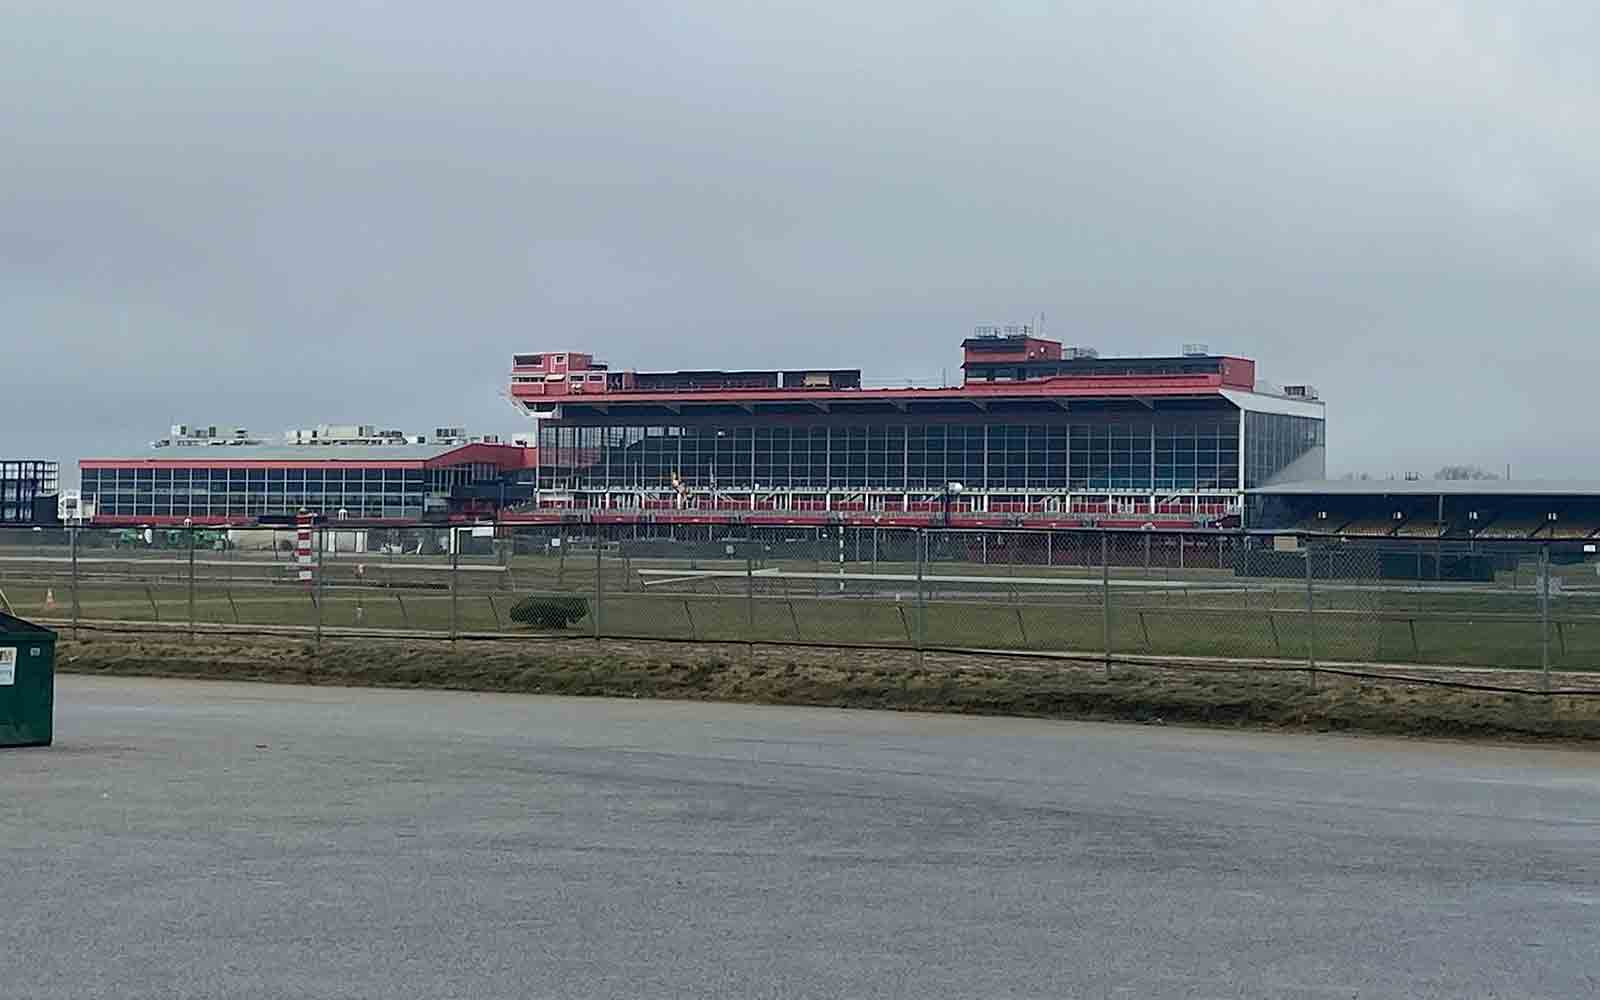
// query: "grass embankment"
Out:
[856,679]
[1465,629]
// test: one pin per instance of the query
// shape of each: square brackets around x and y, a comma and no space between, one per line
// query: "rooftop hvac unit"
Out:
[1076,353]
[1301,391]
[1196,350]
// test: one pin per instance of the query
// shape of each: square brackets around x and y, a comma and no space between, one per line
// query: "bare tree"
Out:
[1464,472]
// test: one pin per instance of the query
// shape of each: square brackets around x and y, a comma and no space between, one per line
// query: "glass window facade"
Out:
[1152,452]
[23,483]
[361,491]
[1280,446]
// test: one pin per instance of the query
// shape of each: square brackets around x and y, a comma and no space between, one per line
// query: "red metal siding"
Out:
[1102,386]
[1239,373]
[1030,349]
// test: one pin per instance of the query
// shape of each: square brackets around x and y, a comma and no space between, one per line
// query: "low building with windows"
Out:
[211,475]
[28,490]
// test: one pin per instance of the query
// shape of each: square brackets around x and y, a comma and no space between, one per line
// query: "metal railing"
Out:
[1315,603]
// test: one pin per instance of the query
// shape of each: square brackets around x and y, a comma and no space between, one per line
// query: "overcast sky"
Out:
[276,214]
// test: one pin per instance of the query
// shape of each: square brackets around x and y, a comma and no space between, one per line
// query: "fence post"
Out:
[922,599]
[191,582]
[1544,616]
[599,586]
[455,581]
[1311,622]
[750,602]
[561,555]
[1105,596]
[75,605]
[322,541]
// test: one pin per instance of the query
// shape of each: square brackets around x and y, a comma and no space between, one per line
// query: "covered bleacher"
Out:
[1461,510]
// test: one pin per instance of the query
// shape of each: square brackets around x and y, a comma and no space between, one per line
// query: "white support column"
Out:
[1241,452]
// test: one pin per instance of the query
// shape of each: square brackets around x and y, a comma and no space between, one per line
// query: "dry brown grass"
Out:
[1235,697]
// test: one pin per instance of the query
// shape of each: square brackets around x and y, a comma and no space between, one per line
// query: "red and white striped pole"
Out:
[302,545]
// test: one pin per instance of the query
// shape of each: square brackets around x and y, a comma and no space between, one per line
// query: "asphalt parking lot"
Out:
[207,839]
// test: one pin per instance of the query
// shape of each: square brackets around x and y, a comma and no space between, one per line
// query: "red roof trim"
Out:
[245,463]
[504,456]
[239,521]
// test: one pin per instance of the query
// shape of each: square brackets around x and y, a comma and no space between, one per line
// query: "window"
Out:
[1280,446]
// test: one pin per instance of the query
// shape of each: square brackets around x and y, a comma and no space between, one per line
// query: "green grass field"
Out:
[1156,611]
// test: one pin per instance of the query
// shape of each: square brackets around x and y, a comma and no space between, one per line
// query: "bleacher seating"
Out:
[1421,529]
[1369,527]
[1571,530]
[1326,525]
[1510,526]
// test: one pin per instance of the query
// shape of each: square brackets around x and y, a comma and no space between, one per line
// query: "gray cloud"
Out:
[292,212]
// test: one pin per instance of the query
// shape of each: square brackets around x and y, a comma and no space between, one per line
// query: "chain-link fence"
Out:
[1166,596]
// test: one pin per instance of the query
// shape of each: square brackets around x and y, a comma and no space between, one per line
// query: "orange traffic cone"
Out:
[50,599]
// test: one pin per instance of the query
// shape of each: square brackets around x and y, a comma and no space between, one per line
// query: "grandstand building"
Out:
[1036,433]
[28,491]
[359,473]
